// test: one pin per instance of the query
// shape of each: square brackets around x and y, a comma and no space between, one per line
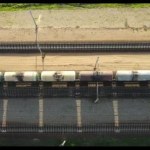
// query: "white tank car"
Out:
[30,76]
[11,76]
[124,75]
[58,76]
[143,75]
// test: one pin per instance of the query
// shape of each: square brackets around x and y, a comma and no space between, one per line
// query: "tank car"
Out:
[124,75]
[86,76]
[96,76]
[143,75]
[12,76]
[105,76]
[53,76]
[21,76]
[31,76]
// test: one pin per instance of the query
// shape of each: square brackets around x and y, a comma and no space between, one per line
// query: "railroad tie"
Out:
[4,119]
[116,114]
[79,121]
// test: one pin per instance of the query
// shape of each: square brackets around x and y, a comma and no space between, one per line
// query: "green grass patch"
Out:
[139,141]
[36,6]
[98,141]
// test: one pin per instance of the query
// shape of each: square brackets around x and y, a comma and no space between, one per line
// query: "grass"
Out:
[34,6]
[140,141]
[98,141]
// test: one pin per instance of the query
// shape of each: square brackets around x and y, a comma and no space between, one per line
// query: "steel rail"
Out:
[74,47]
[103,128]
[84,92]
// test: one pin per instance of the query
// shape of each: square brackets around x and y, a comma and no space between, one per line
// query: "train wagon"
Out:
[124,75]
[105,76]
[86,76]
[12,76]
[31,76]
[53,76]
[143,75]
[21,77]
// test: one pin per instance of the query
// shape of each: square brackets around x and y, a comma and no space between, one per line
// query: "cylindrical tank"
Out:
[104,76]
[47,75]
[124,75]
[11,76]
[86,75]
[30,76]
[143,75]
[58,76]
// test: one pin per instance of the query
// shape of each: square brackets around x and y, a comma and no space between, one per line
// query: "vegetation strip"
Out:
[34,6]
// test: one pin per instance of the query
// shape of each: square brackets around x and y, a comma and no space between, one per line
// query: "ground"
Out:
[111,24]
[75,62]
[100,24]
[25,112]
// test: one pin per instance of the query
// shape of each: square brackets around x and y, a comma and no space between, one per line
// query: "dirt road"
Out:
[75,62]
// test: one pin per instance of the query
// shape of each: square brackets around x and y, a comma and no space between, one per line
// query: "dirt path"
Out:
[76,62]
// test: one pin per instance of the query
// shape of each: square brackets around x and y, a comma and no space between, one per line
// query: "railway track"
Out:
[102,128]
[82,92]
[72,47]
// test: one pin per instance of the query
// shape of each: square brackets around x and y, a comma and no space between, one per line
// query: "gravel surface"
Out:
[134,109]
[92,113]
[60,111]
[23,111]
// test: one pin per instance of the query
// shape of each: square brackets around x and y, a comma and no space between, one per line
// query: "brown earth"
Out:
[75,62]
[109,24]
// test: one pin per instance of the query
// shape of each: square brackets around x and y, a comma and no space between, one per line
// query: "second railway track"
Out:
[74,47]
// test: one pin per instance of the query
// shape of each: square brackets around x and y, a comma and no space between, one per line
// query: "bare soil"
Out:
[75,62]
[103,24]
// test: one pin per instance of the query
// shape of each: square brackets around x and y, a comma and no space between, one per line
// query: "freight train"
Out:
[106,77]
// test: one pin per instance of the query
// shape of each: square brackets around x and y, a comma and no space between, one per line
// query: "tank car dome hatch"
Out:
[143,75]
[58,76]
[30,76]
[124,75]
[11,76]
